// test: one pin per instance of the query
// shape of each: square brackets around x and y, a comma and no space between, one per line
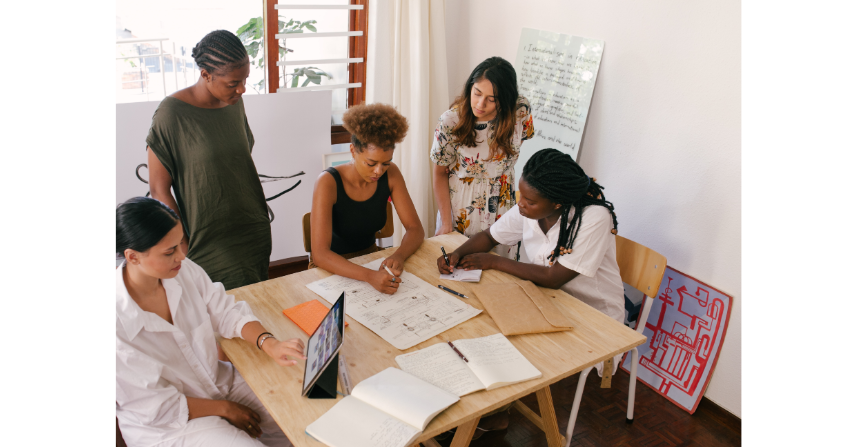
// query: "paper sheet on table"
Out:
[463,275]
[415,313]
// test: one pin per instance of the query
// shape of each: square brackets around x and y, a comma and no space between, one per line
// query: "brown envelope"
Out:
[521,308]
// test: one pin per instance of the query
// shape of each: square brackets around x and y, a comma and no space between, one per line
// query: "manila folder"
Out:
[521,308]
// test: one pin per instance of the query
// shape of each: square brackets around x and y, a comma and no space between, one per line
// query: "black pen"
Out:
[458,352]
[445,257]
[451,291]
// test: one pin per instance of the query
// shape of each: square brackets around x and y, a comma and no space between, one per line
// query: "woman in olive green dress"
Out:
[199,145]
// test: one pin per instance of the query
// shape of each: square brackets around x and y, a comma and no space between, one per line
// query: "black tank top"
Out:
[355,223]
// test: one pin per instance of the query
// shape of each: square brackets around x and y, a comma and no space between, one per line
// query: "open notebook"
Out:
[492,362]
[389,409]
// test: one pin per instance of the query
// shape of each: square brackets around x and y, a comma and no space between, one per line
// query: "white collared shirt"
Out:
[593,255]
[158,364]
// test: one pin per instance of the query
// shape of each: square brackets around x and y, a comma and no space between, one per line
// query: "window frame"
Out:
[358,20]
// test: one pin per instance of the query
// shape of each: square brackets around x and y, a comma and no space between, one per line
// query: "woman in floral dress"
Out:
[476,145]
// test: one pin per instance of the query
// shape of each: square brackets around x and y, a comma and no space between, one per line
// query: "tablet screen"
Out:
[324,342]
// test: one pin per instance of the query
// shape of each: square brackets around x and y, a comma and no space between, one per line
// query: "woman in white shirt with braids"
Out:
[566,228]
[170,388]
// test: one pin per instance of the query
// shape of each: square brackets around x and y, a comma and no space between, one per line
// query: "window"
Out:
[154,39]
[319,45]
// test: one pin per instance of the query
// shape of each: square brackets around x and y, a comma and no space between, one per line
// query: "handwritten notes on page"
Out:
[415,313]
[440,366]
[556,73]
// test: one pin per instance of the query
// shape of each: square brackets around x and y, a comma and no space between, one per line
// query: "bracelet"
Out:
[259,345]
[265,338]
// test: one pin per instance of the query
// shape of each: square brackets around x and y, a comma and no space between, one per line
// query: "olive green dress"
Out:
[217,188]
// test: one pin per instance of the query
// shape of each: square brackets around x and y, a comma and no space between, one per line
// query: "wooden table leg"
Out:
[464,433]
[549,417]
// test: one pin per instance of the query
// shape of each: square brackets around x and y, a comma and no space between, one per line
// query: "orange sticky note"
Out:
[307,315]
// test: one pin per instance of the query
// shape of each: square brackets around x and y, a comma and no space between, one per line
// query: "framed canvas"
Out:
[684,332]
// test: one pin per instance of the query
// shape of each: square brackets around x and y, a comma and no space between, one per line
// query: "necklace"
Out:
[481,126]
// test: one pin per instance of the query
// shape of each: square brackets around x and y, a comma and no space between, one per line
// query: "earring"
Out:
[614,231]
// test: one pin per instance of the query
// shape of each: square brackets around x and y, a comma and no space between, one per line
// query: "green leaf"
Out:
[316,79]
[253,49]
[305,83]
[294,82]
[311,28]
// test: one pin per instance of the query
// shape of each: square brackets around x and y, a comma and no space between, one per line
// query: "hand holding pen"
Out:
[446,263]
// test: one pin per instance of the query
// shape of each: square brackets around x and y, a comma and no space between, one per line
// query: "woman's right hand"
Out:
[447,269]
[242,417]
[443,229]
[384,282]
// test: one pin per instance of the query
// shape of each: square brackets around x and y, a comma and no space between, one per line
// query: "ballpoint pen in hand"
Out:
[445,257]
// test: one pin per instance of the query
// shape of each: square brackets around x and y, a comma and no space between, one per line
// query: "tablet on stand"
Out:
[323,347]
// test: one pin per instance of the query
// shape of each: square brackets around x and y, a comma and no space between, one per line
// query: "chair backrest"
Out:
[307,238]
[640,266]
[387,231]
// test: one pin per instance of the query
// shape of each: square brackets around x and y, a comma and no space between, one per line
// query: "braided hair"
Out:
[219,50]
[559,179]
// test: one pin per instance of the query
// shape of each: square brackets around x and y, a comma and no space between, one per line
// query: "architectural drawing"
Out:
[412,315]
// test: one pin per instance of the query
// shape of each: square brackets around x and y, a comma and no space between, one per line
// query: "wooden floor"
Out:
[601,420]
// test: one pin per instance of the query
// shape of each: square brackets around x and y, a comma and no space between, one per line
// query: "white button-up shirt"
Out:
[593,256]
[158,364]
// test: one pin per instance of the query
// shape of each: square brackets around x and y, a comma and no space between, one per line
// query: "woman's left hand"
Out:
[477,261]
[394,263]
[280,350]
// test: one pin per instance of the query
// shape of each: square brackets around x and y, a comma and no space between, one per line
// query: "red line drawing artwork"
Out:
[685,331]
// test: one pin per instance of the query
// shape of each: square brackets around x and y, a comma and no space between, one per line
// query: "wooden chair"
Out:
[642,268]
[385,232]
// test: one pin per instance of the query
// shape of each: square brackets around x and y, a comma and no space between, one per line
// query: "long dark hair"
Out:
[503,78]
[141,222]
[558,178]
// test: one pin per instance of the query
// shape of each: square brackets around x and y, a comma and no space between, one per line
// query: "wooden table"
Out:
[557,355]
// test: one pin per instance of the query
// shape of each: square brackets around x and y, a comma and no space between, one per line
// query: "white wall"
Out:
[664,129]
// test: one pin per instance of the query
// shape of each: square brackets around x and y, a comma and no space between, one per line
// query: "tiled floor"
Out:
[601,421]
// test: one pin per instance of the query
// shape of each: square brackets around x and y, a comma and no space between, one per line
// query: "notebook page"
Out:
[496,361]
[396,392]
[440,366]
[462,275]
[352,423]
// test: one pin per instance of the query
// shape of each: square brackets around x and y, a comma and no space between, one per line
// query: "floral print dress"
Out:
[481,187]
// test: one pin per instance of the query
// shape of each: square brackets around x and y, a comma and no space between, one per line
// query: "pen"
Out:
[458,352]
[445,257]
[390,272]
[452,291]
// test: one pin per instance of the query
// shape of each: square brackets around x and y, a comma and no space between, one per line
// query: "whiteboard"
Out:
[292,133]
[556,73]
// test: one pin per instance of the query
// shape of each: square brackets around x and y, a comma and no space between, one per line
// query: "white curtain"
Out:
[406,68]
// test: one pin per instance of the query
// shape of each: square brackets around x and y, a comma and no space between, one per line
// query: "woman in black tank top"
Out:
[349,203]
